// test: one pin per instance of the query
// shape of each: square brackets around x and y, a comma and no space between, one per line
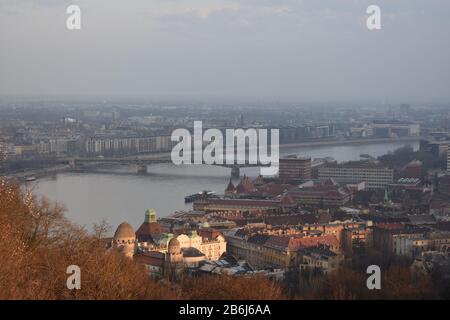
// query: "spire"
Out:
[230,187]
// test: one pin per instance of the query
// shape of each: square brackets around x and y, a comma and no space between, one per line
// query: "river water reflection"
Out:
[126,195]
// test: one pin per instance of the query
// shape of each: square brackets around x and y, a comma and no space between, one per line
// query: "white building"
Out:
[355,172]
[213,249]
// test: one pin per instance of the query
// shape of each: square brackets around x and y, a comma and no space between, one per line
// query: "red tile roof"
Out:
[152,258]
[294,243]
[148,230]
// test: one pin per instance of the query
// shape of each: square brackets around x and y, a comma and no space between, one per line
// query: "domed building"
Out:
[212,244]
[124,240]
[174,253]
[179,257]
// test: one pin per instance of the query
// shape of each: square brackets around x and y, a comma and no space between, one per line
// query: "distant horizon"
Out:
[231,101]
[281,51]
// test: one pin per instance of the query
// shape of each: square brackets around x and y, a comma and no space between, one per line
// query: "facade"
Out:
[400,239]
[238,205]
[320,259]
[211,244]
[410,245]
[171,262]
[258,252]
[325,193]
[127,145]
[265,250]
[395,129]
[212,248]
[293,133]
[361,131]
[295,168]
[354,172]
[414,245]
[153,261]
[356,236]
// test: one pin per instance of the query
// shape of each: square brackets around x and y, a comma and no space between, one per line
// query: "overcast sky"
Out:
[310,50]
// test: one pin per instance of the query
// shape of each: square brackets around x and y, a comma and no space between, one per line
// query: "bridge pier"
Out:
[142,168]
[235,172]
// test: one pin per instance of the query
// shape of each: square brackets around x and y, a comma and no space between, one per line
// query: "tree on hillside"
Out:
[37,244]
[231,287]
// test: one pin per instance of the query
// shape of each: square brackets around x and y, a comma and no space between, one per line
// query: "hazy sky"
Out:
[311,50]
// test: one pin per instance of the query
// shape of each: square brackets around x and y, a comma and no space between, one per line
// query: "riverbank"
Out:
[344,142]
[45,172]
[37,173]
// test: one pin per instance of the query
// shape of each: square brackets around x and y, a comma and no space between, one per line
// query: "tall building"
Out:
[295,168]
[375,176]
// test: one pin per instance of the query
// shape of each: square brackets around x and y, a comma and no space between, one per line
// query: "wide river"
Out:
[125,196]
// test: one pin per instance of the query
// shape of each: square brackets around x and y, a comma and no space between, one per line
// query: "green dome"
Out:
[205,225]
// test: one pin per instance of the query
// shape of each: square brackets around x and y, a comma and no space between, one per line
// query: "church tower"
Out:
[150,216]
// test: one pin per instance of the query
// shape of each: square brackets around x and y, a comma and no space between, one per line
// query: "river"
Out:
[90,197]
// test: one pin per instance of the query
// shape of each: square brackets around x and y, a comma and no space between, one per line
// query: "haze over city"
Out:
[281,50]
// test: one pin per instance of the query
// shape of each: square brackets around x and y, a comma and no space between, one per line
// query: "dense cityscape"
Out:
[224,158]
[316,218]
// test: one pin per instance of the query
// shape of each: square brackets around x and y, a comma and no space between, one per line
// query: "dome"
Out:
[174,246]
[205,225]
[124,230]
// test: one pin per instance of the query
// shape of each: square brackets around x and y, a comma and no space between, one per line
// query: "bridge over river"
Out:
[143,161]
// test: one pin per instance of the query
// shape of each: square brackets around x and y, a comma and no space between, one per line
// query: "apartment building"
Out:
[127,145]
[263,250]
[295,168]
[375,176]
